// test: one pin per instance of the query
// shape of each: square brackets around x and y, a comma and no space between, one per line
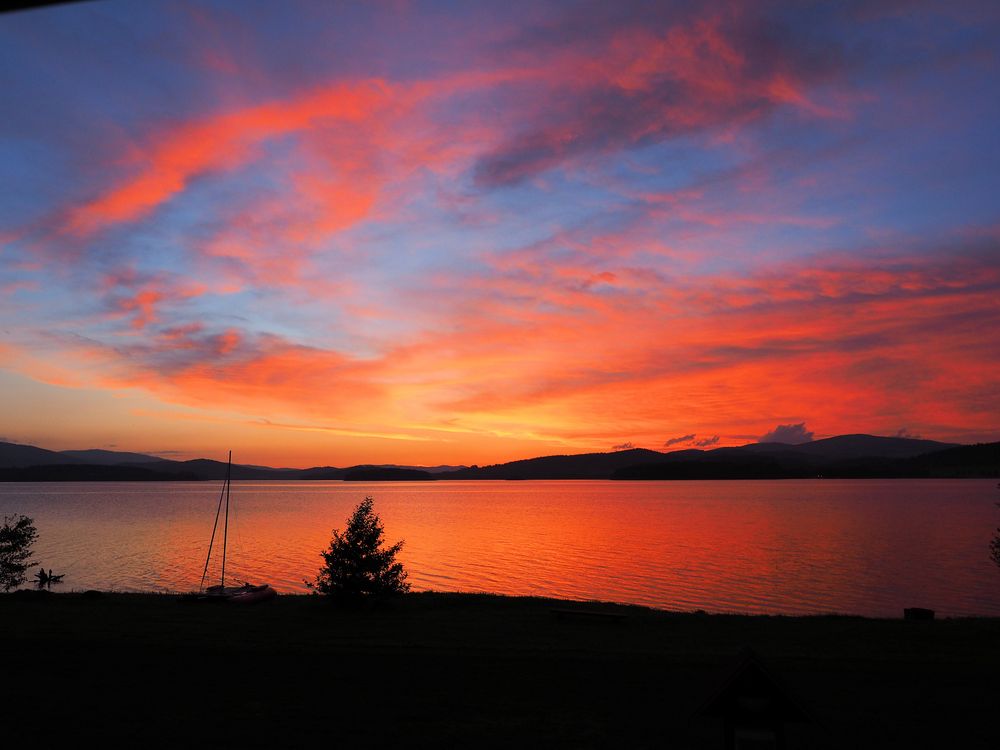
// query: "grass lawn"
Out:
[464,670]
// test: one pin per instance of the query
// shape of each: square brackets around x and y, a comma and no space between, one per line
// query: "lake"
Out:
[868,547]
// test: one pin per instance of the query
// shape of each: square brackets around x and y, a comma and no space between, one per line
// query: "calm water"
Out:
[856,546]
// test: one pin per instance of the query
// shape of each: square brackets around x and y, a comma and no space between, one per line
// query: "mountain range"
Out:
[30,463]
[836,457]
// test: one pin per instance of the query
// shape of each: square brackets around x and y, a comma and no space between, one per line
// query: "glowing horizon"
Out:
[425,233]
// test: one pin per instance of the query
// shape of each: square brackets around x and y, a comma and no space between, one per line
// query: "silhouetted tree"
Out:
[356,564]
[17,535]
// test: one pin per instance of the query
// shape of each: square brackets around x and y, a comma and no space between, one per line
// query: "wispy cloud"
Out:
[681,439]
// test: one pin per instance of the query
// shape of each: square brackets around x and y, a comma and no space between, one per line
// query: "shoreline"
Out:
[472,596]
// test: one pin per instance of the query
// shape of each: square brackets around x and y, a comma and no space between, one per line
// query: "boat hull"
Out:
[253,595]
[236,594]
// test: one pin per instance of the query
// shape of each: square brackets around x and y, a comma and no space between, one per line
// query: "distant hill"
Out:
[761,460]
[838,457]
[583,466]
[981,460]
[429,469]
[13,455]
[853,446]
[207,469]
[110,458]
[322,472]
[386,474]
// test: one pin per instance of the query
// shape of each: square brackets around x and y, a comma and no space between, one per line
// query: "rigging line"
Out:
[235,519]
[238,547]
[212,541]
[225,530]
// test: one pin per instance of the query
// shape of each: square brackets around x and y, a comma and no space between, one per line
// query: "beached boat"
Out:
[245,593]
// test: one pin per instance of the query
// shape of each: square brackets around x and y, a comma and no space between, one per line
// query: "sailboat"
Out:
[246,593]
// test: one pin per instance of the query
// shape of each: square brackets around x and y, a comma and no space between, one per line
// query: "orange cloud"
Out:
[221,142]
[844,347]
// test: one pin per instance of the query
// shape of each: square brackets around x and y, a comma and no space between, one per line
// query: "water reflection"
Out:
[859,546]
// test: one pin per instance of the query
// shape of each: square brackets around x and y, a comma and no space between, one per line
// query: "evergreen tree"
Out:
[17,535]
[355,564]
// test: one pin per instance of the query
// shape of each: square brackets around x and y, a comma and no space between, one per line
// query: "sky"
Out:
[445,232]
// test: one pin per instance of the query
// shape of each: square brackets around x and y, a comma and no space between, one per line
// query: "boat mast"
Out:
[225,529]
[215,526]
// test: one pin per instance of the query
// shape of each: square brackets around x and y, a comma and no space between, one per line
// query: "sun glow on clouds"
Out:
[571,231]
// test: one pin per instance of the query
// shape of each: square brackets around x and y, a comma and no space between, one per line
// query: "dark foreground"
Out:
[437,670]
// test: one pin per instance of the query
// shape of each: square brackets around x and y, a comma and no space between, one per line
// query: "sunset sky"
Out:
[469,232]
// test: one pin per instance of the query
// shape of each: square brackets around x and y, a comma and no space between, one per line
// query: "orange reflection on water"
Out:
[856,546]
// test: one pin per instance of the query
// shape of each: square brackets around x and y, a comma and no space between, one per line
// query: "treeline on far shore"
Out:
[92,473]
